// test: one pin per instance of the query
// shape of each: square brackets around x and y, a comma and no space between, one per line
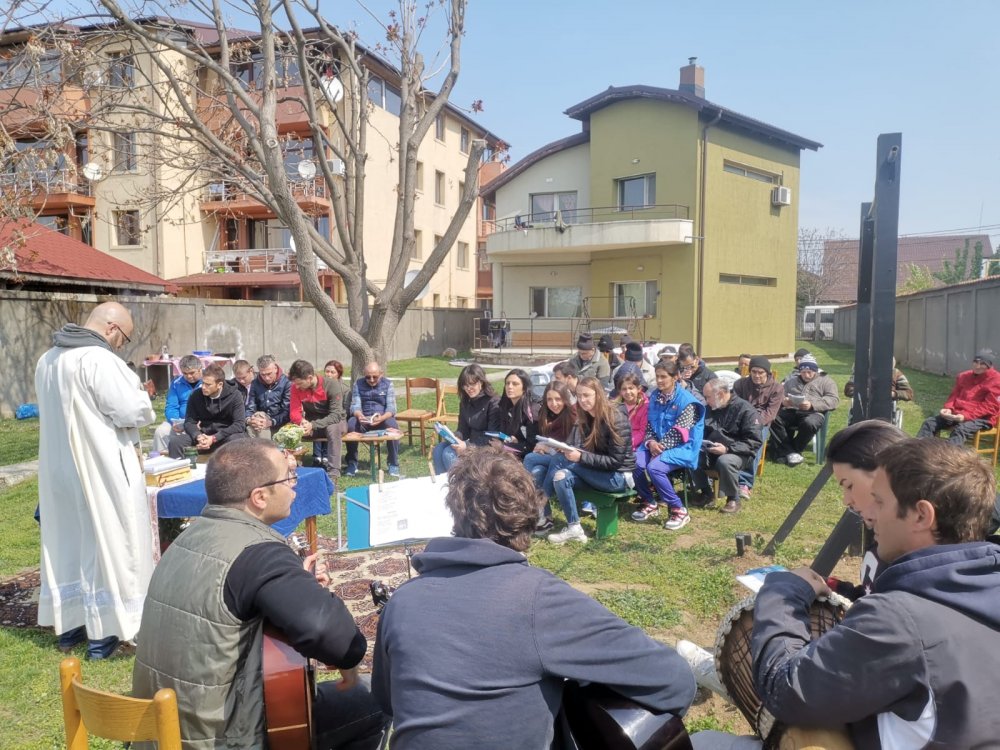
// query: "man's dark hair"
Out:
[215,372]
[237,468]
[567,370]
[300,370]
[241,365]
[858,445]
[492,496]
[686,351]
[960,486]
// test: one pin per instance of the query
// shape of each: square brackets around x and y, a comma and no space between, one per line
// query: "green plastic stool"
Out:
[607,507]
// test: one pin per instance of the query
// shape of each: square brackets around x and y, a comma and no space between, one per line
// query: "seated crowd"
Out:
[922,622]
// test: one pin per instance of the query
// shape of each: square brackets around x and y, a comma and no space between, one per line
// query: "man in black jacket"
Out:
[203,623]
[732,438]
[693,369]
[214,415]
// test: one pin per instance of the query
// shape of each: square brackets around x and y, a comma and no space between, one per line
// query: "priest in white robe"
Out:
[97,554]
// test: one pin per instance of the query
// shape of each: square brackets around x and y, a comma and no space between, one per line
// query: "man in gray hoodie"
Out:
[474,652]
[914,663]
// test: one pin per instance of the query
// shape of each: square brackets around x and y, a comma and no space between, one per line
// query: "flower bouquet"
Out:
[289,437]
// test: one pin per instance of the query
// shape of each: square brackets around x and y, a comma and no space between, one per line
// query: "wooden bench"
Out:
[607,507]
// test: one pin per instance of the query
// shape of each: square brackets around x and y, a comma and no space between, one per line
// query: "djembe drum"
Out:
[734,662]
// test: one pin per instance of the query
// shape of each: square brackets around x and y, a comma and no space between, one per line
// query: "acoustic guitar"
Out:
[289,689]
[597,718]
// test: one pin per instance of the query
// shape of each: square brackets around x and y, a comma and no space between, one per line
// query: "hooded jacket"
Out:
[473,652]
[912,665]
[222,416]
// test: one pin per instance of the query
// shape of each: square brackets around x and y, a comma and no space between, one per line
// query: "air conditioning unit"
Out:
[337,166]
[781,196]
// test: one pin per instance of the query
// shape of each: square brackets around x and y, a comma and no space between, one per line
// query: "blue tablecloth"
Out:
[312,498]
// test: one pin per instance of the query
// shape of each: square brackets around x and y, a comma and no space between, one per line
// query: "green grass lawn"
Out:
[674,585]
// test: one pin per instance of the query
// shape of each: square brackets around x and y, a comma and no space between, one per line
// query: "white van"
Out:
[825,315]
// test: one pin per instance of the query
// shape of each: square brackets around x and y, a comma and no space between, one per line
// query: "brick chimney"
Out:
[693,79]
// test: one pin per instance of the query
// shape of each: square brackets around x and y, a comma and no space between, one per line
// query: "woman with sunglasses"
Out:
[478,413]
[556,420]
[602,459]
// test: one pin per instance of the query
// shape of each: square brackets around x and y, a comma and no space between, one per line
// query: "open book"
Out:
[557,444]
[445,432]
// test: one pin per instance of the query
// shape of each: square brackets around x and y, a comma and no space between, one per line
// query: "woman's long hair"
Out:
[602,421]
[557,426]
[472,374]
[520,413]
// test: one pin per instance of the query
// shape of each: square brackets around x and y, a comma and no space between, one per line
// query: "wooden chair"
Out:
[89,711]
[992,450]
[411,415]
[442,415]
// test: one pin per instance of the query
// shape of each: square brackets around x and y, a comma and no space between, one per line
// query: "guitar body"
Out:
[600,719]
[289,687]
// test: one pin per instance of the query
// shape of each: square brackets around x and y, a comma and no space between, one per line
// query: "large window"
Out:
[634,298]
[128,229]
[545,205]
[121,71]
[125,152]
[636,192]
[753,174]
[439,188]
[383,94]
[555,301]
[26,70]
[296,150]
[251,71]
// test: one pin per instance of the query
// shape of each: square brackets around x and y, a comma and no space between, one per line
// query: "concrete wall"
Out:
[288,330]
[939,330]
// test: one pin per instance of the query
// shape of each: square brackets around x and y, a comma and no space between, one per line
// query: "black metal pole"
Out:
[862,335]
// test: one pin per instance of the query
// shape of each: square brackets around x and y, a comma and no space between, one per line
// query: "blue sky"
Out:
[839,73]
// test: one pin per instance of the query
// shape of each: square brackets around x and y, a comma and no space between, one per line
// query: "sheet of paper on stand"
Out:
[409,509]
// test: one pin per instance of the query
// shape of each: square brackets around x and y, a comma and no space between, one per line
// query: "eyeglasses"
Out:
[372,377]
[978,361]
[124,335]
[292,479]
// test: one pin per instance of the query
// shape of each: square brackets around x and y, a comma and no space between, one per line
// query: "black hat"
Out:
[586,341]
[605,344]
[623,340]
[633,351]
[762,362]
[800,353]
[986,355]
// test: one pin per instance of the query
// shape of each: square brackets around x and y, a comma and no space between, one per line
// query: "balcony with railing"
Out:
[234,198]
[255,260]
[587,230]
[48,189]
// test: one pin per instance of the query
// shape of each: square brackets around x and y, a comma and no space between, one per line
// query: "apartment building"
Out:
[167,209]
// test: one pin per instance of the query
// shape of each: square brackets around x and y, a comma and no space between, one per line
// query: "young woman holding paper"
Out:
[478,413]
[556,420]
[518,414]
[602,459]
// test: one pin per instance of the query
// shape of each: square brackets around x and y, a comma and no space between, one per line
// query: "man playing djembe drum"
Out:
[913,664]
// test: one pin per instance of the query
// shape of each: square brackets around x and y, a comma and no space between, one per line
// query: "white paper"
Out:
[753,579]
[558,445]
[160,464]
[409,509]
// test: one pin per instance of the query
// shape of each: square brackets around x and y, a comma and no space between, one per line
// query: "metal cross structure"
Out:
[875,333]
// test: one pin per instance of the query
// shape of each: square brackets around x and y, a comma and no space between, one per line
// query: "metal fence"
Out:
[592,215]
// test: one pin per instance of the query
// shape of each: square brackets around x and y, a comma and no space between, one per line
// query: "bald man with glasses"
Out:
[208,599]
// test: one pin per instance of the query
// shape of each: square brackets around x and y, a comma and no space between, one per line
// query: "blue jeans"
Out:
[443,456]
[602,481]
[542,466]
[747,477]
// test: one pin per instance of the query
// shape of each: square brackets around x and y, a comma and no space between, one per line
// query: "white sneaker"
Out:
[572,533]
[703,665]
[794,459]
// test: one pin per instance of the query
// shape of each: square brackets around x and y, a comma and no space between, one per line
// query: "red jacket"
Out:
[976,396]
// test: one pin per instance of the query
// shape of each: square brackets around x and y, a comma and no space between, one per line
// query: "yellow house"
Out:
[668,216]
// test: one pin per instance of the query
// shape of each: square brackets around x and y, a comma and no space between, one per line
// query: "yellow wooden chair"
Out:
[445,389]
[992,450]
[420,416]
[88,711]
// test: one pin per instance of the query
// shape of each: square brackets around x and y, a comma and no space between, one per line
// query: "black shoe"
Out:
[704,499]
[732,506]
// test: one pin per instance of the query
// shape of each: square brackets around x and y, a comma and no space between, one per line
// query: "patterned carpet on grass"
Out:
[351,574]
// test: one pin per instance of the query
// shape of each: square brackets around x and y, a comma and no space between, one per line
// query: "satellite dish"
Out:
[410,276]
[334,89]
[307,170]
[93,171]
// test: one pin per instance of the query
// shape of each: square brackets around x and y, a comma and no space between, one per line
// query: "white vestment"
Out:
[97,554]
